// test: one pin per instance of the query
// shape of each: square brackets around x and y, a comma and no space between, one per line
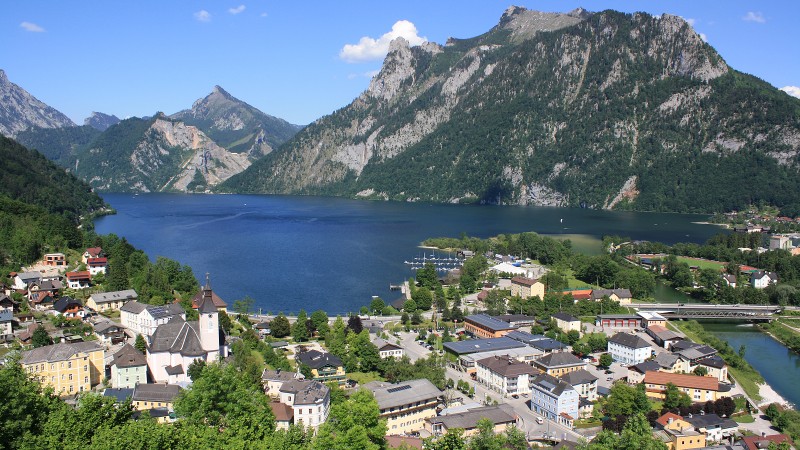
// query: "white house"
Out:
[97,265]
[583,382]
[388,350]
[629,348]
[554,399]
[177,343]
[6,315]
[144,319]
[761,279]
[505,375]
[310,401]
[22,280]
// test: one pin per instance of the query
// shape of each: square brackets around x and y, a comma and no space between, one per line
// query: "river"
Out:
[289,253]
[779,366]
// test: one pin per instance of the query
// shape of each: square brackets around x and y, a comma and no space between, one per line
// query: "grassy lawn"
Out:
[702,263]
[587,423]
[364,377]
[745,418]
[574,283]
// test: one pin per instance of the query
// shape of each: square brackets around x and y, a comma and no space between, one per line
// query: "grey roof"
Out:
[63,303]
[58,352]
[694,353]
[600,293]
[206,305]
[619,316]
[6,314]
[316,359]
[548,344]
[714,361]
[128,356]
[559,359]
[133,307]
[515,318]
[383,345]
[578,377]
[306,392]
[551,384]
[174,370]
[119,394]
[710,421]
[666,360]
[177,336]
[664,335]
[278,375]
[104,326]
[28,277]
[105,297]
[507,366]
[565,317]
[481,345]
[490,322]
[170,310]
[498,414]
[49,285]
[405,393]
[645,366]
[682,345]
[759,274]
[524,336]
[629,340]
[160,392]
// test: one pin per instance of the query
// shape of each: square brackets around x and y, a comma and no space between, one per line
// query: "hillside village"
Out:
[559,379]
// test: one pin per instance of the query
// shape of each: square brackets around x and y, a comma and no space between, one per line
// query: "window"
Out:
[70,377]
[85,379]
[69,365]
[86,368]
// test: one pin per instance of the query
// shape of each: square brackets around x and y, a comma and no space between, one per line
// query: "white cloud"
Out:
[264,14]
[690,21]
[794,91]
[32,27]
[754,16]
[369,49]
[237,10]
[203,16]
[703,37]
[368,74]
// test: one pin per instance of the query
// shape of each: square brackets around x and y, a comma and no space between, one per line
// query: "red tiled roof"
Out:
[762,442]
[681,380]
[524,281]
[94,251]
[398,441]
[664,420]
[97,261]
[83,275]
[283,412]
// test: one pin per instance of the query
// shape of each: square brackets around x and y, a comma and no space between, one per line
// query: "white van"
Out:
[539,420]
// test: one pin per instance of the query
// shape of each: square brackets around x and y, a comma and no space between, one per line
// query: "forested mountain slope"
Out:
[607,110]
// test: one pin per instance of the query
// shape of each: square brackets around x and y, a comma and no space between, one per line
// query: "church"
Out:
[177,343]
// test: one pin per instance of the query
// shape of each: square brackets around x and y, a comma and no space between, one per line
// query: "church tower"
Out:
[208,322]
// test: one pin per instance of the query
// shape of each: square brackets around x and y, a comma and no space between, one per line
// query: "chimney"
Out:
[669,421]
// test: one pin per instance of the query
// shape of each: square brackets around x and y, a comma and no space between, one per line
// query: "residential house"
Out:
[780,242]
[579,294]
[24,279]
[524,354]
[629,348]
[272,380]
[26,335]
[505,375]
[284,415]
[79,280]
[310,401]
[554,399]
[97,265]
[158,397]
[6,316]
[652,318]
[128,368]
[41,300]
[715,427]
[669,362]
[109,332]
[405,406]
[49,287]
[177,343]
[207,293]
[263,329]
[91,252]
[729,279]
[623,296]
[502,416]
[388,350]
[120,395]
[618,320]
[762,442]
[324,366]
[636,372]
[69,307]
[699,389]
[527,287]
[690,354]
[485,326]
[677,434]
[109,301]
[583,382]
[559,364]
[8,302]
[143,319]
[663,337]
[567,322]
[68,368]
[715,367]
[55,260]
[760,279]
[459,348]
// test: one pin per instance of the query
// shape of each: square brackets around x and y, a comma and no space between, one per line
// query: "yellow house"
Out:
[157,398]
[678,434]
[68,368]
[699,389]
[502,416]
[108,301]
[324,366]
[406,405]
[559,364]
[527,287]
[567,322]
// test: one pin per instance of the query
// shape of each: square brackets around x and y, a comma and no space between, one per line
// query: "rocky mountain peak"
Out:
[525,23]
[398,43]
[100,121]
[3,77]
[19,110]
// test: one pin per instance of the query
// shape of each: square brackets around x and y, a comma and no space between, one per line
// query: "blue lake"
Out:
[290,252]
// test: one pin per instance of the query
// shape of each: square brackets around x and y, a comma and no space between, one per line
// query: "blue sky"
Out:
[290,59]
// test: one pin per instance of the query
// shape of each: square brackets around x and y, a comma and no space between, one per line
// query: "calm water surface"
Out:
[314,253]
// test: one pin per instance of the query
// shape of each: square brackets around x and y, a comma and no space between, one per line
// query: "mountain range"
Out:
[602,110]
[190,151]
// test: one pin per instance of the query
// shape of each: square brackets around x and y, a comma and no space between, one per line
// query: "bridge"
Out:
[709,311]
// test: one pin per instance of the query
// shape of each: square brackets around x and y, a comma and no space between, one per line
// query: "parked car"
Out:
[608,371]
